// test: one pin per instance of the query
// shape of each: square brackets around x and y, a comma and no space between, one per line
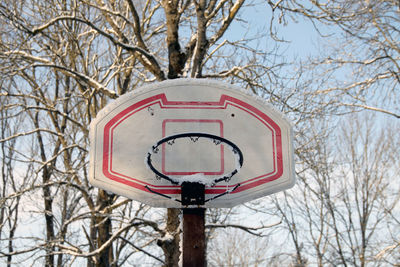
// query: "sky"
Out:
[299,37]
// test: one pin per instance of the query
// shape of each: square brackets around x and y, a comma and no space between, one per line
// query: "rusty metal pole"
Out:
[194,237]
[194,242]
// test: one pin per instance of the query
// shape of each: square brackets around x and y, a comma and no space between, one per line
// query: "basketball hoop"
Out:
[189,188]
[146,144]
[217,140]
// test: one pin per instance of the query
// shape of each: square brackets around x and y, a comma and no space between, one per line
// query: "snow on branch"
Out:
[150,60]
[28,133]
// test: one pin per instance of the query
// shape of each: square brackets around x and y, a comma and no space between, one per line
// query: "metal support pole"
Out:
[194,237]
[193,225]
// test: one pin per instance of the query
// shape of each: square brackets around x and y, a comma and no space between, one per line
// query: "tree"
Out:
[63,62]
[237,248]
[357,70]
[9,211]
[340,214]
[362,58]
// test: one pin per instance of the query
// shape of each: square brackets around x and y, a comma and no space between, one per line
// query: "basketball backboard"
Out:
[136,130]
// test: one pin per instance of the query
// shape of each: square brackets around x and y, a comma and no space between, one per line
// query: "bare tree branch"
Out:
[250,230]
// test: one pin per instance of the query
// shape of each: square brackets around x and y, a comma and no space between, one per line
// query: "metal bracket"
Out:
[192,194]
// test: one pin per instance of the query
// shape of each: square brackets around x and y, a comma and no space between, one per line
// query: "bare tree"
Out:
[362,55]
[64,61]
[9,207]
[347,192]
[238,248]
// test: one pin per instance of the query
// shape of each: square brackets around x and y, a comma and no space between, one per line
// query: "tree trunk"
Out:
[104,229]
[170,246]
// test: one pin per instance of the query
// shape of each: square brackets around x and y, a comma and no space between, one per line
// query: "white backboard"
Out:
[124,132]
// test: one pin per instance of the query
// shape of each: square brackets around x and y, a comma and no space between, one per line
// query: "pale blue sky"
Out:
[301,38]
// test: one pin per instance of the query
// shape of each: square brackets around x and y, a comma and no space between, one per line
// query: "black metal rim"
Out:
[235,150]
